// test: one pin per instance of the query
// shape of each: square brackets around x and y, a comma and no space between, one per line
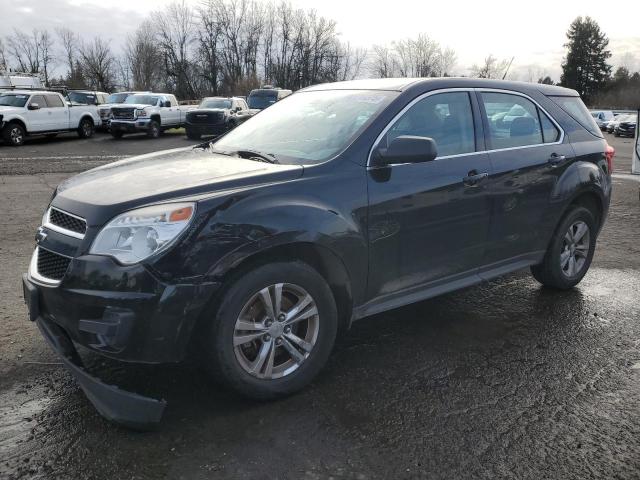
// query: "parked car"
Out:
[86,97]
[26,113]
[626,126]
[152,113]
[104,109]
[609,126]
[602,117]
[264,97]
[216,115]
[342,201]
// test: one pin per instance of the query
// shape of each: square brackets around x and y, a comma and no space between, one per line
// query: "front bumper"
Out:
[122,407]
[137,125]
[207,129]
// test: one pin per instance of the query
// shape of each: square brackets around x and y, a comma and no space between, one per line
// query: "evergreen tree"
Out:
[585,67]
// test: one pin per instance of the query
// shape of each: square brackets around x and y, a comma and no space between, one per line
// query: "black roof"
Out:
[402,84]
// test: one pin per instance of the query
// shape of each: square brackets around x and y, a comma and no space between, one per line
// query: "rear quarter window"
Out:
[576,109]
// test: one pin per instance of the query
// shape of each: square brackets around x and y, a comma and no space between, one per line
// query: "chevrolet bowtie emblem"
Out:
[40,235]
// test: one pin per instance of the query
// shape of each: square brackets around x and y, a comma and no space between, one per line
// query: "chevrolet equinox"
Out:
[341,201]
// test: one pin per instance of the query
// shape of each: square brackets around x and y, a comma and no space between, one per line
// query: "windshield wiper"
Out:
[255,155]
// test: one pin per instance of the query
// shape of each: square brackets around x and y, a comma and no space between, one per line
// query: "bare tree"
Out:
[3,56]
[491,68]
[45,47]
[175,35]
[142,59]
[69,42]
[24,49]
[98,64]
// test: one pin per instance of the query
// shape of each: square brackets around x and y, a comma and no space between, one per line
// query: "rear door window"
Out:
[447,118]
[574,107]
[54,101]
[550,132]
[513,121]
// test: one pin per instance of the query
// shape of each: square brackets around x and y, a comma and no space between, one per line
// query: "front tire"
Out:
[153,130]
[193,135]
[14,135]
[86,128]
[272,331]
[570,251]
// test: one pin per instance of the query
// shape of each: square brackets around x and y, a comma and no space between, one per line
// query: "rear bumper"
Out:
[119,406]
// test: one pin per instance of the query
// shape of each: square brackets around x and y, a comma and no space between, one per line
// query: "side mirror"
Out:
[238,108]
[34,106]
[405,149]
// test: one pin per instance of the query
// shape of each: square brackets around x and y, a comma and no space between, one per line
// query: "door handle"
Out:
[555,159]
[473,178]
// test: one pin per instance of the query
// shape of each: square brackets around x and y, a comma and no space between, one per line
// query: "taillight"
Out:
[609,153]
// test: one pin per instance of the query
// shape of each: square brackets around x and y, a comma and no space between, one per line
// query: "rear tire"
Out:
[153,130]
[14,134]
[273,333]
[86,128]
[570,251]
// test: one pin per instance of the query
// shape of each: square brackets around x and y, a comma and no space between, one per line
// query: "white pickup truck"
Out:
[151,113]
[24,113]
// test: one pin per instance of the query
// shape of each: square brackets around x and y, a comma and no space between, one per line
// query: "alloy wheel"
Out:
[276,331]
[575,248]
[16,136]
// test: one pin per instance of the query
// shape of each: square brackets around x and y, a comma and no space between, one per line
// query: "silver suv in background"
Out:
[602,117]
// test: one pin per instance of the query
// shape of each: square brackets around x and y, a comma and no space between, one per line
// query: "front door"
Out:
[528,154]
[428,222]
[40,119]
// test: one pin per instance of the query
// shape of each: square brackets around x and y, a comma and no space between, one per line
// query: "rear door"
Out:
[528,152]
[59,113]
[428,222]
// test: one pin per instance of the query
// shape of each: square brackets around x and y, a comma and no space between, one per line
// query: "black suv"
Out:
[215,116]
[342,201]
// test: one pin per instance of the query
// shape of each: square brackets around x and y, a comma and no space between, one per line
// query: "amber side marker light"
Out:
[181,214]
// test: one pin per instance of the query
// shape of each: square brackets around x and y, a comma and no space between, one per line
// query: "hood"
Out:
[9,109]
[132,105]
[159,177]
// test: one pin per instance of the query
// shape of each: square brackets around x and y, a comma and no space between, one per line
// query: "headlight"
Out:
[141,113]
[138,234]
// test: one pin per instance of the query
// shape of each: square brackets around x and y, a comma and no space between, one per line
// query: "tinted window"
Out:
[82,98]
[262,98]
[117,97]
[512,119]
[142,100]
[216,103]
[39,99]
[574,107]
[445,117]
[550,132]
[54,101]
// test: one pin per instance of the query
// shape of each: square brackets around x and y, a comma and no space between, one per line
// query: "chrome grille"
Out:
[66,221]
[123,113]
[205,117]
[51,265]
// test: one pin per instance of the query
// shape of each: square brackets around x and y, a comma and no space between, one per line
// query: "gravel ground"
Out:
[502,380]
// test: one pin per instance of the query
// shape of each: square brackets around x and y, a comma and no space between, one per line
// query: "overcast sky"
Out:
[532,32]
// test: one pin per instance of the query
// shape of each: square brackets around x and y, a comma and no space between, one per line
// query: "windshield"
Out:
[215,103]
[117,97]
[142,99]
[262,99]
[82,98]
[13,100]
[308,127]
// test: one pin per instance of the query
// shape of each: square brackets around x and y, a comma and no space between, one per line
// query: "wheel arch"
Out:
[321,258]
[19,121]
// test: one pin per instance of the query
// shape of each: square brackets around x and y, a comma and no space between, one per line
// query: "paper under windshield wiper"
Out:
[255,155]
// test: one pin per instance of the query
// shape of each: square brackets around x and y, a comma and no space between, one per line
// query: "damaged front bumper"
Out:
[122,407]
